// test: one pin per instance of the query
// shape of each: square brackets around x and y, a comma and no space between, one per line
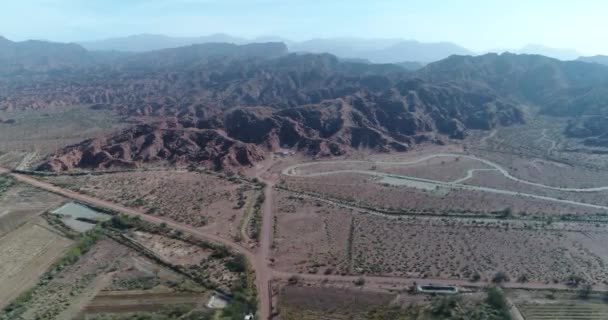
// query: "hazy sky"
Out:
[475,24]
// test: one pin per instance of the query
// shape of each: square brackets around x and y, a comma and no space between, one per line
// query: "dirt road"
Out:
[379,282]
[260,259]
[413,181]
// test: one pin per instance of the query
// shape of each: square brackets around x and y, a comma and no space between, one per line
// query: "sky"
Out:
[475,24]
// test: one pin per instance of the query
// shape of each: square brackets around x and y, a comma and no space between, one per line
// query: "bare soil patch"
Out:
[366,191]
[310,236]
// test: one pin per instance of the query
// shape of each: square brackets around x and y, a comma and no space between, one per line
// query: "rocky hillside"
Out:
[225,105]
[561,88]
[162,142]
[41,56]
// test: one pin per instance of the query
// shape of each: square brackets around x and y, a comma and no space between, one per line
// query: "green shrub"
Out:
[237,264]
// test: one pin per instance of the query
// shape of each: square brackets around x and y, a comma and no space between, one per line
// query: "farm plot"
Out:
[198,199]
[565,311]
[113,302]
[308,303]
[434,248]
[180,253]
[310,236]
[63,294]
[20,203]
[25,254]
[423,199]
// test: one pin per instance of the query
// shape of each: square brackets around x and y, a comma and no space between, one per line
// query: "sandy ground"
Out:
[196,199]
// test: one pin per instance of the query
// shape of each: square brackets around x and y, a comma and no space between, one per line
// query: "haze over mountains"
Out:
[387,50]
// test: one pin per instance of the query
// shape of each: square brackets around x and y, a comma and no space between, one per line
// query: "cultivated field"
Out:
[137,301]
[25,254]
[197,199]
[561,311]
[541,305]
[308,303]
[19,203]
[83,279]
[177,252]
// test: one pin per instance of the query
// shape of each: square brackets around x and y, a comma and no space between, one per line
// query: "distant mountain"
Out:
[34,55]
[196,55]
[595,59]
[563,88]
[564,54]
[557,53]
[381,50]
[226,105]
[151,42]
[373,50]
[409,65]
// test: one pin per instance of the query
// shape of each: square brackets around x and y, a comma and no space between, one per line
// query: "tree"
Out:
[359,282]
[500,277]
[585,291]
[496,299]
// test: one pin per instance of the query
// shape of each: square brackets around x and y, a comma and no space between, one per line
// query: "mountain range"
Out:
[387,50]
[225,105]
[595,59]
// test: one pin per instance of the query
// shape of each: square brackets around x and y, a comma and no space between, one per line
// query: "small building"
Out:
[437,289]
[218,301]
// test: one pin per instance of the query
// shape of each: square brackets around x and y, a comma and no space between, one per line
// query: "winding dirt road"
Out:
[293,171]
[260,259]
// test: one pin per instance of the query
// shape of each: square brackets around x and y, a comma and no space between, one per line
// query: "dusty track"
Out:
[260,259]
[292,171]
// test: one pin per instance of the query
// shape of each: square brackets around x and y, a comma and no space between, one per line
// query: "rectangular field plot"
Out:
[21,203]
[451,249]
[25,254]
[560,311]
[311,236]
[140,301]
[308,303]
